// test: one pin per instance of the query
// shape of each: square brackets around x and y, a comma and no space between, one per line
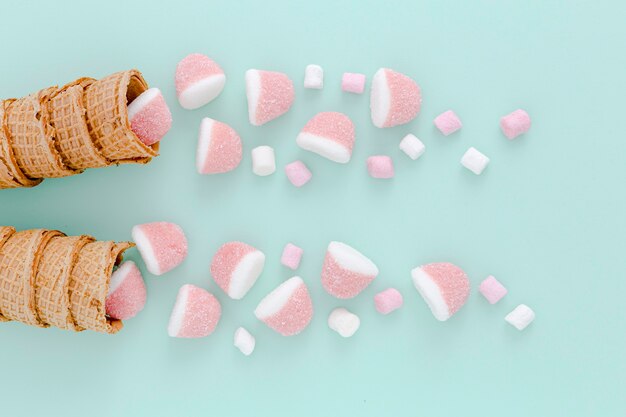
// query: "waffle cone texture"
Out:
[58,132]
[49,279]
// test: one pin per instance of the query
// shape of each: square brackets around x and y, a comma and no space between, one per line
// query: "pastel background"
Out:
[546,217]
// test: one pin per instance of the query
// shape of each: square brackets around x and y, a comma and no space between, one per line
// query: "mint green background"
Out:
[546,217]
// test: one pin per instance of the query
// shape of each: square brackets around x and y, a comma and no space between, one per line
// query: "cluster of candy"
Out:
[288,309]
[395,99]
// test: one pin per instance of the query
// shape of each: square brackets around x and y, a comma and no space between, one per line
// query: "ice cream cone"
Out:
[67,115]
[107,102]
[19,259]
[11,176]
[5,234]
[89,285]
[32,137]
[53,278]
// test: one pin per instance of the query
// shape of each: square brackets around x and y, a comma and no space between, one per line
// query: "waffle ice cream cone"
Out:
[68,118]
[53,278]
[32,137]
[61,132]
[5,233]
[11,176]
[106,101]
[89,285]
[19,259]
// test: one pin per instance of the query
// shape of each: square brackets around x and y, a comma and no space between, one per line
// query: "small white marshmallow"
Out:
[521,317]
[263,161]
[314,77]
[244,341]
[412,146]
[474,160]
[343,322]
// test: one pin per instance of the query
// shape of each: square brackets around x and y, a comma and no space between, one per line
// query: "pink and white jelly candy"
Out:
[199,80]
[270,95]
[235,268]
[288,309]
[150,118]
[127,292]
[162,245]
[515,123]
[388,301]
[195,314]
[395,98]
[346,271]
[329,134]
[219,148]
[444,287]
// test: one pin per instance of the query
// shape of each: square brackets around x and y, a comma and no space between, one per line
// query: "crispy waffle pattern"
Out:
[49,279]
[58,132]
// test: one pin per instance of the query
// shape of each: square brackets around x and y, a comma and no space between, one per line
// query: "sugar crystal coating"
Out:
[270,94]
[235,268]
[288,309]
[127,292]
[329,134]
[162,245]
[195,314]
[346,272]
[219,148]
[198,80]
[150,118]
[395,98]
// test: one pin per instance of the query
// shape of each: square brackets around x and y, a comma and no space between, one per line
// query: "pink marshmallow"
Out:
[235,268]
[288,309]
[448,122]
[291,256]
[219,148]
[150,118]
[353,83]
[395,99]
[329,134]
[270,95]
[195,314]
[298,173]
[380,166]
[198,80]
[443,286]
[514,124]
[127,292]
[492,289]
[346,271]
[388,301]
[162,245]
